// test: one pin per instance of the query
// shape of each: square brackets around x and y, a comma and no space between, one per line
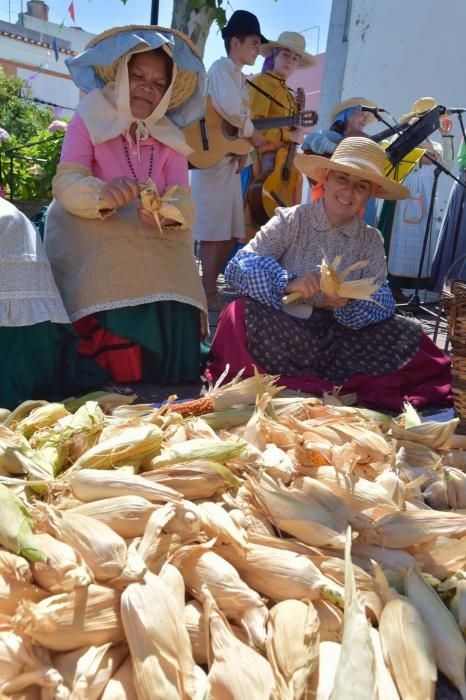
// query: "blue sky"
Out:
[275,16]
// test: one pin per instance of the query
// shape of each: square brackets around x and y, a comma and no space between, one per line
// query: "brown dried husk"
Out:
[67,621]
[63,568]
[163,665]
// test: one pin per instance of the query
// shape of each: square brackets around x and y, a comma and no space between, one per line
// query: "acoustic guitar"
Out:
[213,137]
[279,189]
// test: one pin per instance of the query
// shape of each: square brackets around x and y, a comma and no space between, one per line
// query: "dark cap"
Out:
[243,22]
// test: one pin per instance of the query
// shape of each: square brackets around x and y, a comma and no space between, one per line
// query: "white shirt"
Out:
[228,89]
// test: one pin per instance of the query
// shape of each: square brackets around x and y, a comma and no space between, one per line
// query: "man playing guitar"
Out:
[217,190]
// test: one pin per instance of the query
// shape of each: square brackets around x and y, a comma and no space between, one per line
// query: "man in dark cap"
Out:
[217,190]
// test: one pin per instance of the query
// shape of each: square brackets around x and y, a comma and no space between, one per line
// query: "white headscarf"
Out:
[107,112]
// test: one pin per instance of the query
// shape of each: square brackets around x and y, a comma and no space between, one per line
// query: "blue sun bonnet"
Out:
[97,65]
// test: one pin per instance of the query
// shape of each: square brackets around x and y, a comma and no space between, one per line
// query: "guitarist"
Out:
[269,97]
[217,191]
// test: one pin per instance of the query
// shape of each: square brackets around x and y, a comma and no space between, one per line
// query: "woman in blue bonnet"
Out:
[130,283]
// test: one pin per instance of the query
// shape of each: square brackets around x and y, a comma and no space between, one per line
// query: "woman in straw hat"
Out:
[130,286]
[328,340]
[270,97]
[346,119]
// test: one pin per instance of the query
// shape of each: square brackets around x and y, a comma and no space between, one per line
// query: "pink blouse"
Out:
[109,160]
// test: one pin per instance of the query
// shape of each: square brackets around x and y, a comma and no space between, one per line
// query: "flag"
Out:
[55,48]
[71,11]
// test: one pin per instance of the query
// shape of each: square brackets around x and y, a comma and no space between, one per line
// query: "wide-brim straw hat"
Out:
[420,106]
[293,41]
[353,102]
[98,63]
[357,156]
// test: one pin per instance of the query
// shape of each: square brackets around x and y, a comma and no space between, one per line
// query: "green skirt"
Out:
[40,362]
[168,333]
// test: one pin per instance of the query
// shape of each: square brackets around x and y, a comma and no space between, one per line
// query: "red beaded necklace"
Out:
[130,165]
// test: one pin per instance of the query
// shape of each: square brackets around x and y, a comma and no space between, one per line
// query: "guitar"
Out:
[279,189]
[212,137]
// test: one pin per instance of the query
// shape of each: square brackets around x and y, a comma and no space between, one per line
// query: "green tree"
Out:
[26,123]
[195,18]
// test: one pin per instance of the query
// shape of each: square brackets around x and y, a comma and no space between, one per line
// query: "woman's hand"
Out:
[118,192]
[334,301]
[308,285]
[148,218]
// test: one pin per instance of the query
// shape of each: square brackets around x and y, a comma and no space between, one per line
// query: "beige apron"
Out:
[102,264]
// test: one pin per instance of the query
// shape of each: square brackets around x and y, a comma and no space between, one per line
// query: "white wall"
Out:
[52,88]
[397,51]
[77,37]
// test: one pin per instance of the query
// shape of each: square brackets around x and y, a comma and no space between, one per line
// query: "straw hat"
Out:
[98,64]
[423,104]
[353,102]
[294,42]
[359,157]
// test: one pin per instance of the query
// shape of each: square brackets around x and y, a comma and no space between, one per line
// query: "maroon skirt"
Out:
[424,379]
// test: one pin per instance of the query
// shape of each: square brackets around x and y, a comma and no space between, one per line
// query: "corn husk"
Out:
[200,566]
[173,580]
[155,545]
[13,592]
[329,658]
[14,566]
[16,527]
[358,493]
[15,655]
[83,617]
[160,206]
[199,449]
[97,544]
[448,643]
[293,645]
[87,671]
[195,480]
[125,515]
[198,631]
[355,676]
[442,557]
[395,559]
[334,283]
[217,523]
[430,434]
[95,484]
[163,665]
[280,574]
[385,684]
[128,445]
[256,520]
[197,628]
[330,621]
[40,417]
[318,493]
[236,671]
[404,529]
[121,686]
[296,515]
[63,570]
[408,649]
